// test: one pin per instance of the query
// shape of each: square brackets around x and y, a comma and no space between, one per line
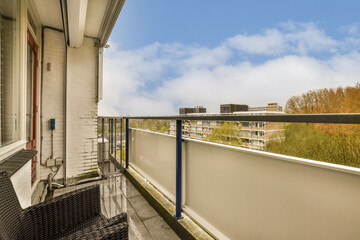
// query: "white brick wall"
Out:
[81,113]
[53,97]
[81,110]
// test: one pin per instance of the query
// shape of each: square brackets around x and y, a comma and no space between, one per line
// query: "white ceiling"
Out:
[50,14]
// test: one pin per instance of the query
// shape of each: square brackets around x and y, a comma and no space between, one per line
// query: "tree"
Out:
[226,133]
[150,124]
[334,143]
[339,100]
[306,141]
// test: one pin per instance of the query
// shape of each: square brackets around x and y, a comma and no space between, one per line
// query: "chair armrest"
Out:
[117,231]
[49,218]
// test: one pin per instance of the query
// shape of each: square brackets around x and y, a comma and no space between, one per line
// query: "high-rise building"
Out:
[197,109]
[230,108]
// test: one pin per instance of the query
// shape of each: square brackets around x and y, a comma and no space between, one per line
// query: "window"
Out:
[9,72]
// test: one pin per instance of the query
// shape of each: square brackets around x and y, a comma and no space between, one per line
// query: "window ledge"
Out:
[14,162]
[12,148]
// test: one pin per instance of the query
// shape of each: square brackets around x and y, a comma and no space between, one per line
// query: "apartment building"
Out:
[230,108]
[253,135]
[197,109]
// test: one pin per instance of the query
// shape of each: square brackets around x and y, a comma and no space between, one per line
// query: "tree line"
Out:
[151,124]
[333,143]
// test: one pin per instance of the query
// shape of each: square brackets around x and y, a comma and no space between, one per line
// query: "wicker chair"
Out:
[74,215]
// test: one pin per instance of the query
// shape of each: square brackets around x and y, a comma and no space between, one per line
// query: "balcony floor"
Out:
[119,195]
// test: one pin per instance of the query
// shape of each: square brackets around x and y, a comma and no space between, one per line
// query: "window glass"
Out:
[9,72]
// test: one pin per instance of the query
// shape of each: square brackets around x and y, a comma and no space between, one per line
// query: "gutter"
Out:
[65,21]
[112,13]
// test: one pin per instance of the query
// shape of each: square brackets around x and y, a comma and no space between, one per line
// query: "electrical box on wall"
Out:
[51,162]
[52,123]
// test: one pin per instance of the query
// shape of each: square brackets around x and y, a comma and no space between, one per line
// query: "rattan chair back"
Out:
[10,209]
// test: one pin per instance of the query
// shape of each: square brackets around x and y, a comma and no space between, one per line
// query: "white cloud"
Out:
[297,38]
[271,42]
[352,29]
[160,78]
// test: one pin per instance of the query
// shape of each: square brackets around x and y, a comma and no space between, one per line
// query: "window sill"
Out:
[12,148]
[14,162]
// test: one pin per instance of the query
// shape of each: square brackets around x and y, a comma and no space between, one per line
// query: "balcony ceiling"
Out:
[49,12]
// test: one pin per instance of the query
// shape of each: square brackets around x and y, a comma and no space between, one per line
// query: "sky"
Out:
[169,54]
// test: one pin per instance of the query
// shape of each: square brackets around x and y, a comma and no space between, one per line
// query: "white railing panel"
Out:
[246,194]
[238,193]
[154,156]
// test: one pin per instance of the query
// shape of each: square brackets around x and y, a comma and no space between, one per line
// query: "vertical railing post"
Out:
[112,135]
[103,143]
[121,142]
[115,138]
[178,168]
[109,141]
[127,143]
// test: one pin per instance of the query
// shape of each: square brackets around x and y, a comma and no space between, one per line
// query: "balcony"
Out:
[239,193]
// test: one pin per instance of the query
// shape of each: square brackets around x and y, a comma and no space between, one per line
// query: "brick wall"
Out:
[53,97]
[82,110]
[81,107]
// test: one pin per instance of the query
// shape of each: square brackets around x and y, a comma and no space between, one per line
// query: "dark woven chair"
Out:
[74,215]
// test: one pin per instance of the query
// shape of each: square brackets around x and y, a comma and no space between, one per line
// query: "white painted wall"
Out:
[53,97]
[22,184]
[81,106]
[82,109]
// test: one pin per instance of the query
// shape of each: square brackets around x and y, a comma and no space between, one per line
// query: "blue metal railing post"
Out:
[178,168]
[115,139]
[121,143]
[103,144]
[127,143]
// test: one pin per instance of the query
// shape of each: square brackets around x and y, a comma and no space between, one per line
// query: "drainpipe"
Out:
[65,116]
[64,16]
[41,94]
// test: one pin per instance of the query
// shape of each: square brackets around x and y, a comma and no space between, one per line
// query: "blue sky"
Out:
[209,22]
[170,54]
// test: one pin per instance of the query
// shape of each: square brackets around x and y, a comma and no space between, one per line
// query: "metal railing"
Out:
[111,135]
[351,118]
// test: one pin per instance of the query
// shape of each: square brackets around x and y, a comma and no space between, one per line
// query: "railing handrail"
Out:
[344,118]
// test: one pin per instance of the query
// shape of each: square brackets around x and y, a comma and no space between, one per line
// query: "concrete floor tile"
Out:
[142,207]
[159,229]
[115,205]
[111,187]
[128,189]
[137,229]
